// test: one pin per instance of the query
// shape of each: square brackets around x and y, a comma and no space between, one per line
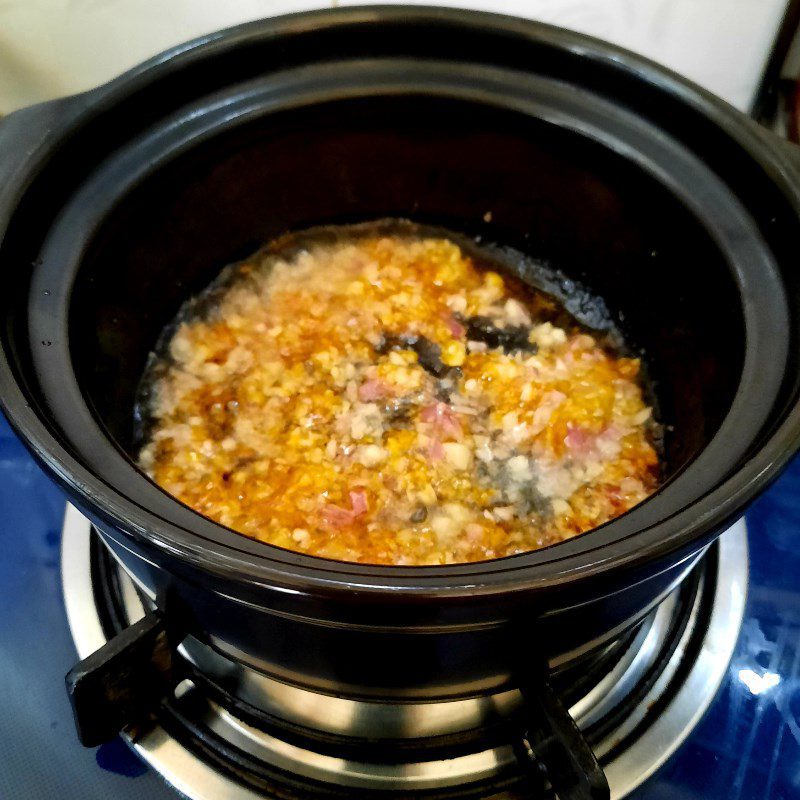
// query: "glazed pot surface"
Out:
[658,198]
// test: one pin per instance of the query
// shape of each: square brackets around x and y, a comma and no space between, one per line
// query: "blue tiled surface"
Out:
[746,748]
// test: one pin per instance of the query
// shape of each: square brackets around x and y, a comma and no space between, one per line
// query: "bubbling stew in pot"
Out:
[384,394]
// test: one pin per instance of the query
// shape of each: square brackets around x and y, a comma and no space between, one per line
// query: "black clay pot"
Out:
[117,204]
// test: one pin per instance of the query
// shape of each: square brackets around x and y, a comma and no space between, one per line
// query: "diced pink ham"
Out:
[358,499]
[429,413]
[454,326]
[577,439]
[609,442]
[338,517]
[443,418]
[372,390]
[435,450]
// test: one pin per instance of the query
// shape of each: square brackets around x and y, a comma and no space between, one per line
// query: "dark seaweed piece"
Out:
[483,472]
[391,341]
[429,353]
[430,357]
[420,514]
[482,329]
[239,464]
[398,411]
[443,392]
[524,496]
[448,385]
[532,502]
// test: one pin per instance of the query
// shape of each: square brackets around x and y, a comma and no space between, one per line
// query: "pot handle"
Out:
[553,747]
[23,132]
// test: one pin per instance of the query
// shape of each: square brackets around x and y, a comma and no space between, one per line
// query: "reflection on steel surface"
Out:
[625,770]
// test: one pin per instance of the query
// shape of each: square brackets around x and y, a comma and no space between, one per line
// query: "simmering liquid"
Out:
[386,398]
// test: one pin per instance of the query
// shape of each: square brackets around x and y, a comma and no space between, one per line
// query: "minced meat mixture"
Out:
[384,399]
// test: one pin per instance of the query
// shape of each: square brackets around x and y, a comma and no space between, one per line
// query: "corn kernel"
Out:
[454,354]
[493,280]
[355,288]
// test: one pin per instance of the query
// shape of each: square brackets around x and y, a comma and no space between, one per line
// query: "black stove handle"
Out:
[122,685]
[553,747]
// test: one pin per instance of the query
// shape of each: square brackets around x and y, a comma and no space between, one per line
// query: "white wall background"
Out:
[56,47]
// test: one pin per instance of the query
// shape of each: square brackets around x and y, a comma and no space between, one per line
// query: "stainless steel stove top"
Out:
[651,691]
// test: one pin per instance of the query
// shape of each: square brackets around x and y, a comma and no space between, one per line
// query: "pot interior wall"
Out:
[553,194]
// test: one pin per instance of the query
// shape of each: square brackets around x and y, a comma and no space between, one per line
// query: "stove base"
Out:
[635,714]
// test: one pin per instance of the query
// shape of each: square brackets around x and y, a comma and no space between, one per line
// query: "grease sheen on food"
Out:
[384,397]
